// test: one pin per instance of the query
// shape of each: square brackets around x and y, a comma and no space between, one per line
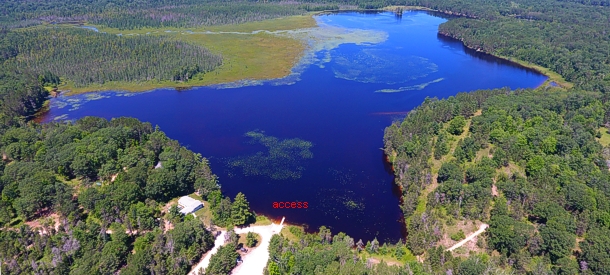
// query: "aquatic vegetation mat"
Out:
[381,66]
[340,200]
[321,41]
[410,88]
[283,159]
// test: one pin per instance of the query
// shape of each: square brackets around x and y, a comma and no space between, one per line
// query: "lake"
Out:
[316,136]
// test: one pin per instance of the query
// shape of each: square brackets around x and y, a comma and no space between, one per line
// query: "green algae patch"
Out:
[410,88]
[382,66]
[283,159]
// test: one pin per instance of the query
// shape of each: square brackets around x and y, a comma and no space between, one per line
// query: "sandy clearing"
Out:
[37,224]
[255,261]
[462,242]
[377,261]
[205,261]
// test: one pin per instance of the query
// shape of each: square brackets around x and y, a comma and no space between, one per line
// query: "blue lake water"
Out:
[319,139]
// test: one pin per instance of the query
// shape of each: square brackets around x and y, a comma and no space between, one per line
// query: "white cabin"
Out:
[189,205]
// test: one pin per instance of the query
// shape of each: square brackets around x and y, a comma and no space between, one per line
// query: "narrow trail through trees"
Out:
[462,242]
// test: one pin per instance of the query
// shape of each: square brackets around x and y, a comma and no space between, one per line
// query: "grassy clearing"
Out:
[511,169]
[278,24]
[242,239]
[390,259]
[246,56]
[262,220]
[604,140]
[483,153]
[204,214]
[288,233]
[164,208]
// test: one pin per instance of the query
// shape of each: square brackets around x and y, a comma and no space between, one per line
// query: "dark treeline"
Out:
[324,253]
[21,95]
[87,57]
[537,149]
[137,14]
[98,180]
[197,15]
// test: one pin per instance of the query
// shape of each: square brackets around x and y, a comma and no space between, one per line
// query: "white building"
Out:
[189,205]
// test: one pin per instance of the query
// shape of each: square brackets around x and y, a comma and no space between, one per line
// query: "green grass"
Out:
[512,169]
[289,235]
[278,24]
[204,214]
[262,220]
[391,259]
[604,140]
[242,239]
[73,182]
[246,57]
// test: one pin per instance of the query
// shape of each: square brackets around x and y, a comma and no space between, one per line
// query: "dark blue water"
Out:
[335,107]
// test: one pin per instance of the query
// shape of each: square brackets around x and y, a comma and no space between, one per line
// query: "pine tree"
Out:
[240,210]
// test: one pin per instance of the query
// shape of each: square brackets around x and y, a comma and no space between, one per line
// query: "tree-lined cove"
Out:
[316,136]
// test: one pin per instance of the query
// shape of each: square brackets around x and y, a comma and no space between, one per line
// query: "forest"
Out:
[529,163]
[130,14]
[85,198]
[86,57]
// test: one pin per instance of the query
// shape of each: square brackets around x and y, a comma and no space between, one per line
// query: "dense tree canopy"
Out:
[548,188]
[130,14]
[85,57]
[98,179]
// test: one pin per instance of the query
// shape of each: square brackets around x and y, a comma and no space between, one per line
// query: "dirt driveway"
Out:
[255,261]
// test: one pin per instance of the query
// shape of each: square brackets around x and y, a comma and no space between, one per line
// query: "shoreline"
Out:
[552,76]
[143,86]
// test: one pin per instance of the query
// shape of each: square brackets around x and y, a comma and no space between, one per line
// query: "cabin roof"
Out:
[188,205]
